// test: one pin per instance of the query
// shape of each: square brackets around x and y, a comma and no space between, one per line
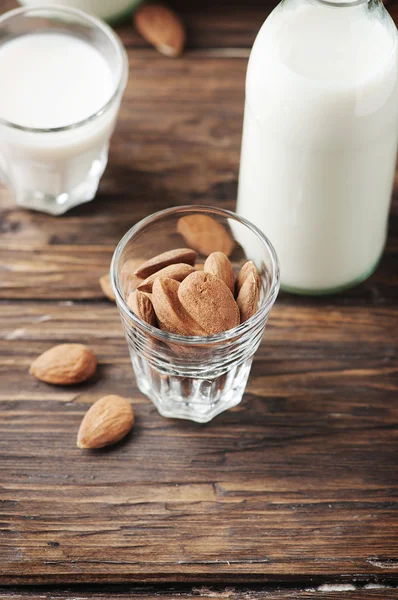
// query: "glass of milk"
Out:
[320,139]
[63,74]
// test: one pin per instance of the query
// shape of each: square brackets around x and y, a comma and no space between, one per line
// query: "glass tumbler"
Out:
[54,169]
[192,377]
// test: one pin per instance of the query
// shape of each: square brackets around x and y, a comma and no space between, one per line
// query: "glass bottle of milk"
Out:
[320,139]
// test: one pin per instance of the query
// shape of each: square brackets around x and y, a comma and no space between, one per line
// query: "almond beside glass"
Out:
[105,283]
[161,27]
[106,422]
[65,364]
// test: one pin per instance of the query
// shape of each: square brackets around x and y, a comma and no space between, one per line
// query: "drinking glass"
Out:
[54,169]
[192,377]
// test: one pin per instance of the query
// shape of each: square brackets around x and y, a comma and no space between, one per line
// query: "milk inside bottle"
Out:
[320,139]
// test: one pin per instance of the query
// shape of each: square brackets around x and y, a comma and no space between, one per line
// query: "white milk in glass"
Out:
[53,80]
[320,139]
[58,107]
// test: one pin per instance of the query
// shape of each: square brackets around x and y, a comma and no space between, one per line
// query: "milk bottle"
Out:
[320,139]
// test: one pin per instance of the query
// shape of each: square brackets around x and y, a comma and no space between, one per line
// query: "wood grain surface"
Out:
[297,484]
[324,591]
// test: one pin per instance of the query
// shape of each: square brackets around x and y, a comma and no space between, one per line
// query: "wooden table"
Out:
[292,494]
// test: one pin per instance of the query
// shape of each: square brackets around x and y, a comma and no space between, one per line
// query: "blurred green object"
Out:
[112,11]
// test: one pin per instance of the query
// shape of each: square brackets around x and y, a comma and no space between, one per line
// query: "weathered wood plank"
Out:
[298,481]
[324,591]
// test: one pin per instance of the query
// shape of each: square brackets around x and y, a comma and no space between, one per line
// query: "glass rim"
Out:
[195,340]
[96,23]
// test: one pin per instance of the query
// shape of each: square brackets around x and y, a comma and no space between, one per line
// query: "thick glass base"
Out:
[58,204]
[332,290]
[191,398]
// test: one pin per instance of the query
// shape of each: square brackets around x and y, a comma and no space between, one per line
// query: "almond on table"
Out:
[105,283]
[65,364]
[171,257]
[161,27]
[106,422]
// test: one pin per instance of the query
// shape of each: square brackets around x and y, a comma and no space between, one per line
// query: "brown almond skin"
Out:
[161,27]
[218,263]
[248,267]
[248,297]
[141,305]
[106,422]
[170,313]
[205,234]
[171,257]
[65,364]
[209,301]
[177,272]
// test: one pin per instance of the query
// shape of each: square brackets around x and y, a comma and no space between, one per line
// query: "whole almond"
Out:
[177,272]
[205,234]
[106,422]
[141,305]
[160,26]
[172,257]
[248,297]
[209,302]
[218,264]
[65,364]
[248,267]
[105,283]
[170,313]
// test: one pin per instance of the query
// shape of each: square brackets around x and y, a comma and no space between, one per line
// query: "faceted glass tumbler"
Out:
[54,169]
[191,377]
